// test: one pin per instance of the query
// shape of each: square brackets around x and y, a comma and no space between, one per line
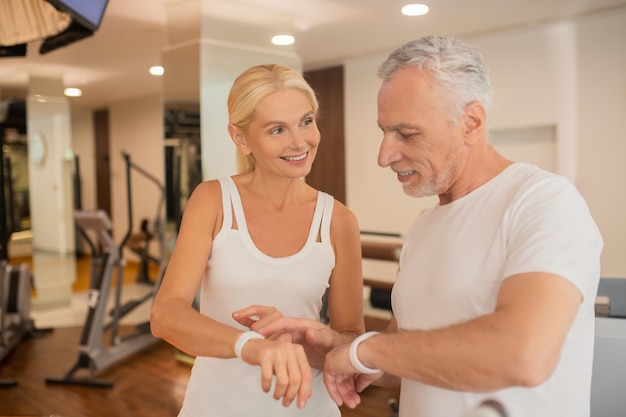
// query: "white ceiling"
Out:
[112,65]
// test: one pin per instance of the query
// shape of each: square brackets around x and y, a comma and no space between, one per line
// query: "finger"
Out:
[294,380]
[363,381]
[331,386]
[322,338]
[247,316]
[311,335]
[247,311]
[288,337]
[253,311]
[267,371]
[282,337]
[266,319]
[245,321]
[290,324]
[346,390]
[281,378]
[305,391]
[285,324]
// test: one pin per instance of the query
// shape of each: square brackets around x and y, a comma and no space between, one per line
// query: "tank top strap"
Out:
[327,213]
[317,219]
[322,217]
[228,189]
[326,203]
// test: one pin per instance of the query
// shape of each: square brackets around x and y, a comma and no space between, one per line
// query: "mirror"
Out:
[14,199]
[183,166]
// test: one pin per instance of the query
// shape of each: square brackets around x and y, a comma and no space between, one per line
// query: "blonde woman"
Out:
[260,245]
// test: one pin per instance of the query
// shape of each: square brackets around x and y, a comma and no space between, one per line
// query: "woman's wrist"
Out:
[354,358]
[244,338]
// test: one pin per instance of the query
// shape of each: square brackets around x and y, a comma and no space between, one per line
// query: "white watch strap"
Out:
[354,358]
[243,339]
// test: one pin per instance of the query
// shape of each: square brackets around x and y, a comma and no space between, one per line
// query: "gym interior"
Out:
[93,193]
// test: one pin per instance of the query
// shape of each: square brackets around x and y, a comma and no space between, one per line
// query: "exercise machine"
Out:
[139,242]
[94,353]
[15,321]
[15,280]
[104,341]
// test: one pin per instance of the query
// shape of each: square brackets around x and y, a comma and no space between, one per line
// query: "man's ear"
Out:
[474,119]
[239,140]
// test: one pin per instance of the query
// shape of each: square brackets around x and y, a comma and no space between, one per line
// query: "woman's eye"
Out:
[307,122]
[276,131]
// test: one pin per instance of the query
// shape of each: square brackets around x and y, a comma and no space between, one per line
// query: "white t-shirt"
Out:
[454,259]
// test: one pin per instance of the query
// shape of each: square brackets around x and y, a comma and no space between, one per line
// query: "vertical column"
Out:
[563,46]
[50,170]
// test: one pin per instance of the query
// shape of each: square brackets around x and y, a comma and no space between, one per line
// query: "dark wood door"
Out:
[102,162]
[329,170]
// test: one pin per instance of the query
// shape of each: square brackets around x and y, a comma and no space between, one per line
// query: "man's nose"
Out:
[387,154]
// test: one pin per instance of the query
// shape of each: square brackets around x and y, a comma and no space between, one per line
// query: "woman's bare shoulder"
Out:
[207,194]
[343,219]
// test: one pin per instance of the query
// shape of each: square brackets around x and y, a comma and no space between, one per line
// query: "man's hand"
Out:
[316,338]
[342,380]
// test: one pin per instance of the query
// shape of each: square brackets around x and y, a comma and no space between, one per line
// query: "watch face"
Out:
[37,148]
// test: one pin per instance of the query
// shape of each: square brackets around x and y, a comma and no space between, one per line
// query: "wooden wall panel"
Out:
[329,172]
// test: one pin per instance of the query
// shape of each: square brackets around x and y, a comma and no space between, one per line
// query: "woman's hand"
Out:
[256,317]
[279,359]
[284,361]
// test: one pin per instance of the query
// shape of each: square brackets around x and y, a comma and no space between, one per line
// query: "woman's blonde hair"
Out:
[250,88]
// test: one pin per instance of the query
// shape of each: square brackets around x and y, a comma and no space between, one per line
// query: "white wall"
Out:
[571,75]
[136,127]
[602,137]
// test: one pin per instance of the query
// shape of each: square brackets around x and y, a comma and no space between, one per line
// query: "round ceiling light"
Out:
[415,10]
[157,70]
[72,92]
[283,40]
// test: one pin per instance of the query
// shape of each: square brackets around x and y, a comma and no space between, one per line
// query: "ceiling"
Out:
[112,65]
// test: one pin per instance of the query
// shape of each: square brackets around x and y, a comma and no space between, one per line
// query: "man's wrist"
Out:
[353,354]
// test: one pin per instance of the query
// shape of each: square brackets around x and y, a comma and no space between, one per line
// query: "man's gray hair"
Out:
[458,69]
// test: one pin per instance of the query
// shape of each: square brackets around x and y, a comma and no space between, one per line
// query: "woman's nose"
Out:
[298,139]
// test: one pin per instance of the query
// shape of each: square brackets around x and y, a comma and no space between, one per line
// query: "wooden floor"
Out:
[151,383]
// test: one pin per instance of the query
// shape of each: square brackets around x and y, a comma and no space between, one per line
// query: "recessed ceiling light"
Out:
[72,92]
[414,10]
[283,40]
[157,70]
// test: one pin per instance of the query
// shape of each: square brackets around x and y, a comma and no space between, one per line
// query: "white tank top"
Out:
[239,275]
